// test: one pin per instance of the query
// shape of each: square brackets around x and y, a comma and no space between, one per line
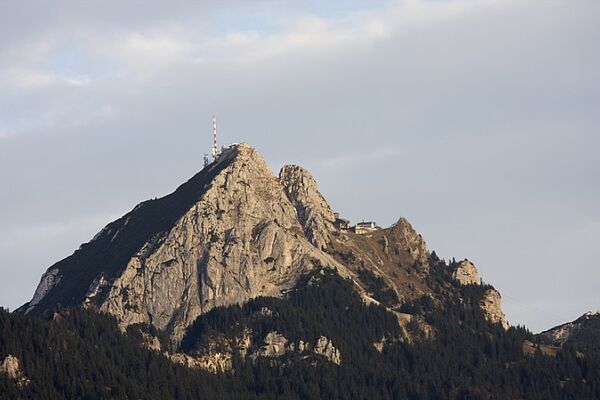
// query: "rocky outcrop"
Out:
[314,213]
[325,348]
[492,308]
[404,238]
[48,281]
[151,342]
[217,362]
[380,344]
[218,352]
[275,345]
[11,366]
[491,303]
[466,273]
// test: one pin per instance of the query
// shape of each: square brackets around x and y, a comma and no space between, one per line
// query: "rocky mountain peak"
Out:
[228,235]
[313,211]
[466,273]
[407,238]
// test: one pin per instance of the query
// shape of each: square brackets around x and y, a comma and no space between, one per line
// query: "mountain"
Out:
[232,233]
[243,284]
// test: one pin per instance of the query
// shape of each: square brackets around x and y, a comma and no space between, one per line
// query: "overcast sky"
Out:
[478,120]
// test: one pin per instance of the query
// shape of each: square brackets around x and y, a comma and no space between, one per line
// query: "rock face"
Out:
[217,355]
[466,273]
[11,366]
[275,345]
[491,304]
[48,281]
[241,238]
[325,348]
[314,213]
[492,308]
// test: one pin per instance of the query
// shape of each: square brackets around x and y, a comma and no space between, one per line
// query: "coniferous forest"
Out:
[80,354]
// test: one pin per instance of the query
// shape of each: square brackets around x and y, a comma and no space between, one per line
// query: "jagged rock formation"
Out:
[466,273]
[491,303]
[11,366]
[492,307]
[314,213]
[275,345]
[218,353]
[325,348]
[406,239]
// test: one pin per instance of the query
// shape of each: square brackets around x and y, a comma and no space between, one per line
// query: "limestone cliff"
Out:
[466,273]
[492,308]
[314,213]
[239,239]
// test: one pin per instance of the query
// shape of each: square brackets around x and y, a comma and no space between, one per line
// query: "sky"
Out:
[478,120]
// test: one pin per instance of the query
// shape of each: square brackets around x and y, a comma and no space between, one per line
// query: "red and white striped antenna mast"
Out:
[215,148]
